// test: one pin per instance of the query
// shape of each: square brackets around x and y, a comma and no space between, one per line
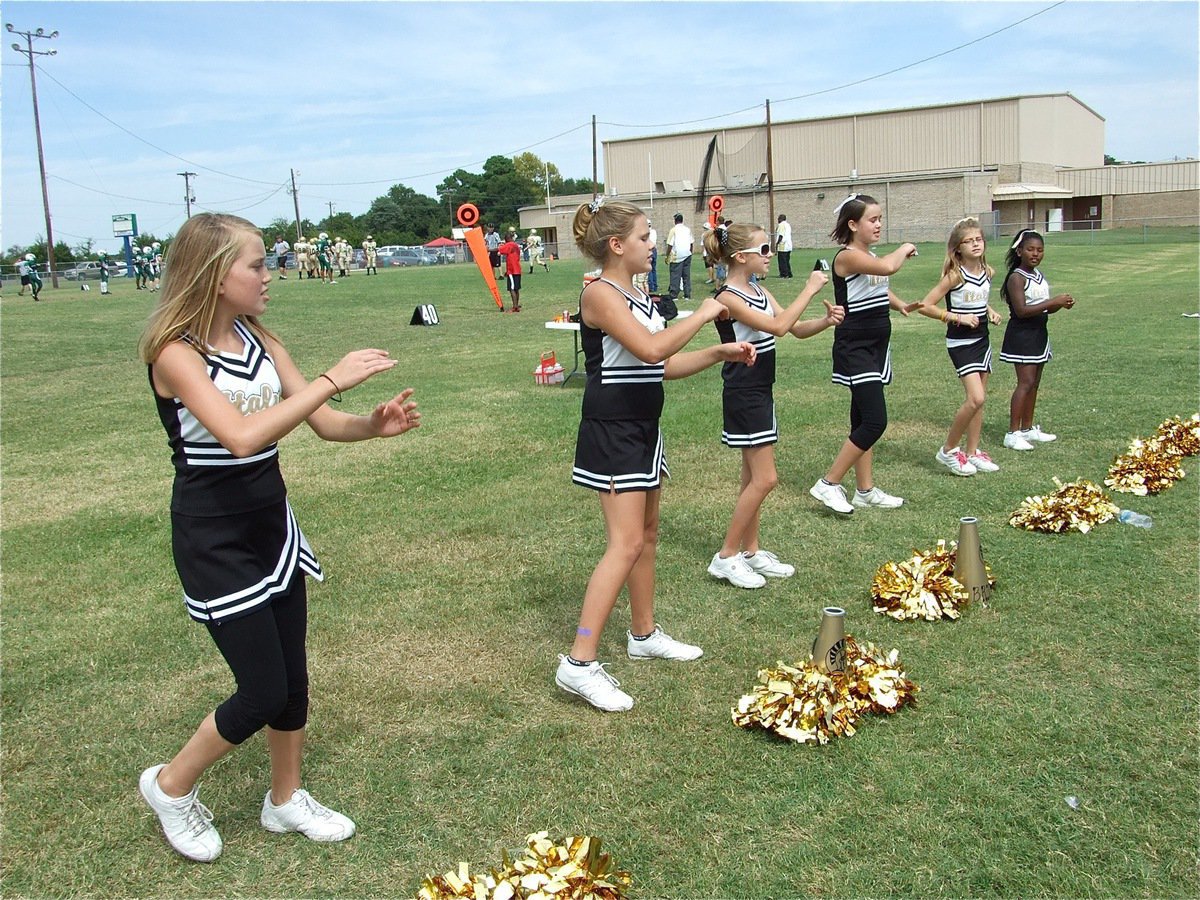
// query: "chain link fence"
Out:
[1143,230]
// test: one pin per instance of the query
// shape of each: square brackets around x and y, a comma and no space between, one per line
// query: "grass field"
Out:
[456,558]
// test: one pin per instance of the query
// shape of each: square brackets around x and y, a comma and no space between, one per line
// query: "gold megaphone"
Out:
[968,561]
[829,649]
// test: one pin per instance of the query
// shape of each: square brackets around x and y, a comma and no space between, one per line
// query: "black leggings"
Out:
[868,414]
[265,651]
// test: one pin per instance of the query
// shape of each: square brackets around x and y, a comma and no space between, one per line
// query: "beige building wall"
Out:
[1166,209]
[1056,129]
[928,166]
[1142,178]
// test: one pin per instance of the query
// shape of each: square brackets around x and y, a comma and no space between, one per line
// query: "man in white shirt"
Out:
[783,246]
[652,280]
[281,251]
[679,255]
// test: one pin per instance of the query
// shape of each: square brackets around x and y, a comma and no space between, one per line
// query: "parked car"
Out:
[405,256]
[89,269]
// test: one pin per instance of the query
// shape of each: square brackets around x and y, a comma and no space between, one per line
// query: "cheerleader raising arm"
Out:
[604,307]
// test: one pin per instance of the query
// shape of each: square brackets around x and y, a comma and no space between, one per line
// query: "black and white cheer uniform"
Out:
[862,349]
[747,401]
[234,537]
[620,447]
[1027,340]
[969,348]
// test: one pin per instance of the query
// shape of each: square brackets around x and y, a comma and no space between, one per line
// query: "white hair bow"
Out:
[838,209]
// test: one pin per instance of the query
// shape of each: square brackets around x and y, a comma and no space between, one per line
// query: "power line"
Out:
[265,195]
[848,84]
[404,178]
[138,137]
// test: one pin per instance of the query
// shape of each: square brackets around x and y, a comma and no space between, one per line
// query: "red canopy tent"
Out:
[442,242]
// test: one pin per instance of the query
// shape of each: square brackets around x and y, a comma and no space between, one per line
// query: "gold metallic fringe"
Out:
[573,870]
[1147,467]
[803,704]
[1180,437]
[1078,506]
[1151,466]
[922,586]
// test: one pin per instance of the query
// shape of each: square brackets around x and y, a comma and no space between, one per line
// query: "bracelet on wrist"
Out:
[337,391]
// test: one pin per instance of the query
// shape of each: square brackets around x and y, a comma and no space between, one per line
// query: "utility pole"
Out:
[30,53]
[187,190]
[770,178]
[595,183]
[329,221]
[296,204]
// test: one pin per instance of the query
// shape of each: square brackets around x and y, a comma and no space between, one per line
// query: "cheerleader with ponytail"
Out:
[1026,339]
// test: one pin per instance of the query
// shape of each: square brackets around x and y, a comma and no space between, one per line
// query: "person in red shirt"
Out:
[510,252]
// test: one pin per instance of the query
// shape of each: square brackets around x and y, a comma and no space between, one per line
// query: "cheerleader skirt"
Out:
[971,358]
[1026,344]
[230,566]
[748,418]
[862,356]
[618,455]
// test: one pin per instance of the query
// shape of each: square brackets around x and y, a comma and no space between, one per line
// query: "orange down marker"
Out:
[468,215]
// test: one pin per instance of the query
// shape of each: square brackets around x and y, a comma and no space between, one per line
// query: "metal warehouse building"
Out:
[1026,161]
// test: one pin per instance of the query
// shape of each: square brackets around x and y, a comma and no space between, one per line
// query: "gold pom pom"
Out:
[574,869]
[1077,506]
[922,586]
[803,704]
[1180,437]
[1147,467]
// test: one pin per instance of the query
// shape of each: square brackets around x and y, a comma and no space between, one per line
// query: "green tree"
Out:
[531,166]
[342,225]
[84,249]
[281,226]
[403,216]
[63,257]
[579,186]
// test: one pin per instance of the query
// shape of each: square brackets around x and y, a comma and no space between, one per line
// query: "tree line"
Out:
[400,216]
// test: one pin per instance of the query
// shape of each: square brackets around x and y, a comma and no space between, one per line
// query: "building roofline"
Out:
[852,115]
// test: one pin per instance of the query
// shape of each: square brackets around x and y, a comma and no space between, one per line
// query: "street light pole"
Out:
[30,53]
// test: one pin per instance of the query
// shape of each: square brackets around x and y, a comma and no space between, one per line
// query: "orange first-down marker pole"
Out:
[468,215]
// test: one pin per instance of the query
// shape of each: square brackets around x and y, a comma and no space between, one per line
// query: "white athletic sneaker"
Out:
[186,822]
[982,462]
[764,562]
[593,684]
[1037,436]
[1015,440]
[832,495]
[304,814]
[877,498]
[660,645]
[735,570]
[955,461]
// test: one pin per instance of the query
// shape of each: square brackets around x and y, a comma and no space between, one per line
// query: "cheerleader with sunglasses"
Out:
[747,399]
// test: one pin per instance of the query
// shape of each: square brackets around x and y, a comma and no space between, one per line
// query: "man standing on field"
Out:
[679,255]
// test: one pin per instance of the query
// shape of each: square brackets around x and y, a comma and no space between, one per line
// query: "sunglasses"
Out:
[761,249]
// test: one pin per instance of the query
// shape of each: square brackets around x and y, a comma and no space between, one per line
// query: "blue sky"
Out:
[388,92]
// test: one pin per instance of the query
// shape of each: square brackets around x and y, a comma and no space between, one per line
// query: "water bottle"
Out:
[1129,517]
